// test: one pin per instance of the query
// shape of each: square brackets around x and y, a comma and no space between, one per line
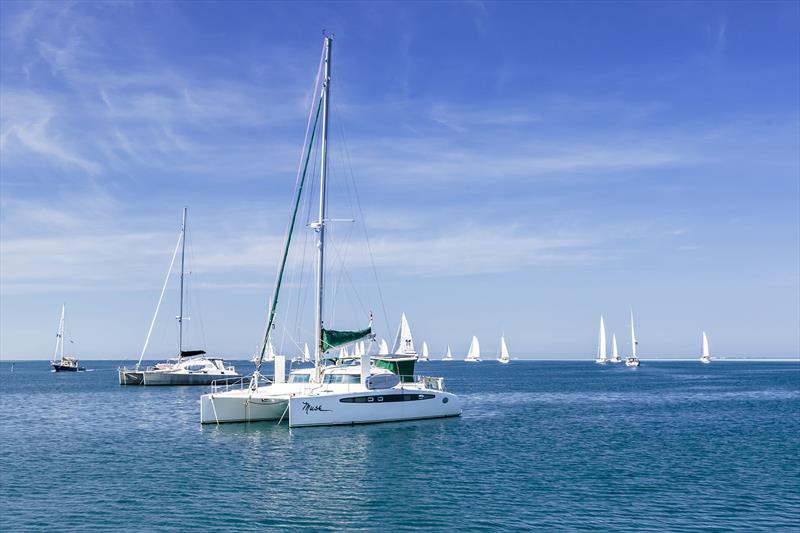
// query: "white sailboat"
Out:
[379,389]
[503,357]
[190,367]
[474,352]
[61,362]
[403,341]
[705,355]
[448,356]
[601,344]
[615,358]
[383,347]
[306,353]
[633,360]
[424,356]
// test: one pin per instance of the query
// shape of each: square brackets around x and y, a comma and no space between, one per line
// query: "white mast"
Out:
[183,257]
[634,342]
[320,224]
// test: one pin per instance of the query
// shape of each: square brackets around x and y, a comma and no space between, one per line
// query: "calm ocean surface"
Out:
[671,446]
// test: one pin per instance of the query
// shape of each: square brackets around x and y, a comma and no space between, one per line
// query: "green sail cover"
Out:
[332,338]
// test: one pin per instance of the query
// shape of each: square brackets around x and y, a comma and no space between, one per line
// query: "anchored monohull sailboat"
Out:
[61,362]
[376,389]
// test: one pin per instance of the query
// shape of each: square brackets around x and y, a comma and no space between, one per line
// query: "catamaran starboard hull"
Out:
[372,406]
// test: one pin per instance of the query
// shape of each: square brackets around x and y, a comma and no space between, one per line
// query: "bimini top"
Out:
[191,353]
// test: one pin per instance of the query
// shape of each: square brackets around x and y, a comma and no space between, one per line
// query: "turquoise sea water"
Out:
[671,446]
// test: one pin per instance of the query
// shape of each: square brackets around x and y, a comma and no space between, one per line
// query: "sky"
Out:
[512,168]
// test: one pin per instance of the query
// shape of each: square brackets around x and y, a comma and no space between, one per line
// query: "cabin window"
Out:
[299,378]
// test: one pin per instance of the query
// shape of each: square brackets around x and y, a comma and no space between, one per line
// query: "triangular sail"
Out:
[383,348]
[634,342]
[404,342]
[503,349]
[449,355]
[601,342]
[474,353]
[705,354]
[614,351]
[306,353]
[424,356]
[60,336]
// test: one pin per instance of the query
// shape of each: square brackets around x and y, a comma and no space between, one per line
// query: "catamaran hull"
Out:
[170,378]
[226,408]
[369,407]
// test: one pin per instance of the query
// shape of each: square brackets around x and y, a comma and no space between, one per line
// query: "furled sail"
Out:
[332,338]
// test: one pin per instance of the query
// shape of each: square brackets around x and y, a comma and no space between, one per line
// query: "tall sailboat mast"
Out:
[60,336]
[320,225]
[634,342]
[183,260]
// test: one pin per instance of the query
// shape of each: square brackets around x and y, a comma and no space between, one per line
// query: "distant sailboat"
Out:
[504,357]
[449,355]
[474,353]
[383,348]
[63,363]
[633,360]
[705,356]
[424,356]
[601,344]
[615,358]
[404,342]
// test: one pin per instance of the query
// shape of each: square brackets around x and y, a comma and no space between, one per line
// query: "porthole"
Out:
[445,399]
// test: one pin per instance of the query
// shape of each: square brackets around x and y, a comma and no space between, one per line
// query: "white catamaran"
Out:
[360,390]
[615,358]
[61,362]
[601,344]
[474,352]
[633,360]
[503,357]
[705,355]
[191,367]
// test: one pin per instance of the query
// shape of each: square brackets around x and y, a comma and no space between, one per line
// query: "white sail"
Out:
[634,342]
[383,348]
[449,355]
[601,342]
[404,342]
[270,352]
[705,353]
[474,353]
[614,351]
[306,353]
[424,356]
[504,357]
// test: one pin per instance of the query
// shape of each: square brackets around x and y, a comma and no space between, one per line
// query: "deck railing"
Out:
[239,383]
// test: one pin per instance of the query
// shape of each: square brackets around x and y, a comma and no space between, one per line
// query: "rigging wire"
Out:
[343,135]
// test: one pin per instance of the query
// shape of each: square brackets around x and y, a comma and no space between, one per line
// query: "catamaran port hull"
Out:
[373,406]
[242,407]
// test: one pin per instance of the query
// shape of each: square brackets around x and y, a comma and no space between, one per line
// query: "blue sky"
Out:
[521,168]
